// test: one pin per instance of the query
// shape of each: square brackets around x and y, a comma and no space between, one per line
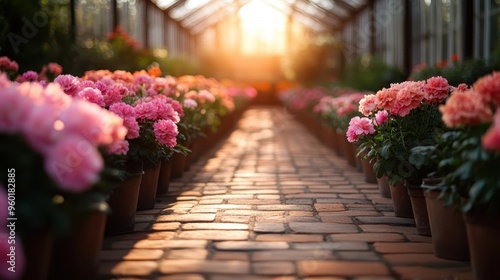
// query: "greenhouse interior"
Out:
[250,139]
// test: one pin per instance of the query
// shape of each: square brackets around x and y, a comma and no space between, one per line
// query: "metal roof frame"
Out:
[316,15]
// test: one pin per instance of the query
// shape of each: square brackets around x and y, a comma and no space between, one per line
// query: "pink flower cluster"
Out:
[359,127]
[475,106]
[399,99]
[299,99]
[8,65]
[66,132]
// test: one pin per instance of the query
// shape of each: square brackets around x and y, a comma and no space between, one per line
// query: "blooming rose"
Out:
[409,96]
[465,108]
[489,87]
[359,127]
[166,132]
[69,84]
[28,76]
[127,112]
[118,147]
[93,123]
[93,95]
[436,90]
[381,117]
[74,164]
[385,98]
[189,103]
[15,105]
[368,104]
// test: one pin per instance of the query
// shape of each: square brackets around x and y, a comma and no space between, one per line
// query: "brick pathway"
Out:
[271,202]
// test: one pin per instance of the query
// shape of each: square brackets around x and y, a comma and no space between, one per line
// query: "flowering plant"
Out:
[58,150]
[343,107]
[397,119]
[139,98]
[473,166]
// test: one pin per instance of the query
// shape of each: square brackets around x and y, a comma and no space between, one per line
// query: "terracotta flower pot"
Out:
[449,236]
[164,177]
[178,165]
[419,207]
[147,191]
[348,149]
[401,201]
[340,143]
[383,186]
[483,232]
[123,204]
[77,255]
[367,168]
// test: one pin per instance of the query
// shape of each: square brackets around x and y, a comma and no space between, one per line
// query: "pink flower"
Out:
[14,106]
[489,87]
[8,65]
[93,123]
[118,147]
[346,109]
[436,90]
[39,127]
[143,79]
[132,127]
[385,98]
[166,132]
[69,84]
[122,109]
[114,94]
[189,103]
[177,107]
[92,95]
[409,96]
[359,127]
[462,87]
[74,164]
[465,108]
[250,92]
[368,104]
[28,76]
[54,95]
[381,117]
[55,68]
[158,108]
[491,139]
[206,95]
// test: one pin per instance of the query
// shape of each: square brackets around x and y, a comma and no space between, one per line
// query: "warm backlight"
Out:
[263,29]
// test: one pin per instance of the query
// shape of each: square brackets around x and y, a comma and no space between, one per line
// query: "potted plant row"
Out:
[92,146]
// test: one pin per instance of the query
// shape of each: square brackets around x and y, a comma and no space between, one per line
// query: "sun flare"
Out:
[263,29]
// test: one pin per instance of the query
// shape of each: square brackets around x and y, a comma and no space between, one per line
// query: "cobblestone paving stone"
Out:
[272,203]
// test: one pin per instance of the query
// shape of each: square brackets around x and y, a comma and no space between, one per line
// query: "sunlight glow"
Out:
[263,29]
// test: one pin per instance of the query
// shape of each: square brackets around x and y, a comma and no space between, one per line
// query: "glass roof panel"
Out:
[339,10]
[210,8]
[164,4]
[317,15]
[187,7]
[307,8]
[325,4]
